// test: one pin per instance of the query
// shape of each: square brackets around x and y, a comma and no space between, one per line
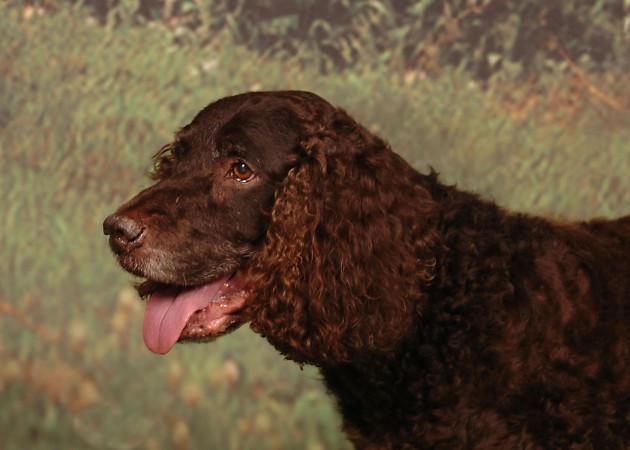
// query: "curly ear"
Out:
[348,252]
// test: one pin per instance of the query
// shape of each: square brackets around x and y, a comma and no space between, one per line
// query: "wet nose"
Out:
[124,233]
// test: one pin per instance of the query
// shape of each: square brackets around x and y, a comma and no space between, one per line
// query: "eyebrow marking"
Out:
[233,149]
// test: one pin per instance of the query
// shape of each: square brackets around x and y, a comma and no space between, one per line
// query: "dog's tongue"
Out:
[168,311]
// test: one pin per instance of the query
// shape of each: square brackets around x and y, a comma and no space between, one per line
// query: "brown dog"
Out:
[438,320]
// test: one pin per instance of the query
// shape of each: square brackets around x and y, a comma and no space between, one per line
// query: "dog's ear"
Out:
[348,251]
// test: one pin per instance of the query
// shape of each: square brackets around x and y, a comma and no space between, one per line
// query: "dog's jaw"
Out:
[201,313]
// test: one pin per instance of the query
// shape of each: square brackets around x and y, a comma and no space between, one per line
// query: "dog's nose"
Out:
[124,233]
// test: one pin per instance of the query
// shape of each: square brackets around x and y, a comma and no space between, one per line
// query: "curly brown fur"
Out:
[437,319]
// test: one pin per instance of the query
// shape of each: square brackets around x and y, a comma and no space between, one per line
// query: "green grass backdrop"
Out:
[83,107]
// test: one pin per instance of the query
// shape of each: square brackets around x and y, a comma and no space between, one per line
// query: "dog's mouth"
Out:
[199,313]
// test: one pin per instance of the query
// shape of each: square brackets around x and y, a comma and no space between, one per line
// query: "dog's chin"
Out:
[198,313]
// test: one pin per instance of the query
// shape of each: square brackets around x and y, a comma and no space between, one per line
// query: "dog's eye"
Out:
[241,171]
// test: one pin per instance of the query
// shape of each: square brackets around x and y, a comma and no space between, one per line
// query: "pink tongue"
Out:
[168,311]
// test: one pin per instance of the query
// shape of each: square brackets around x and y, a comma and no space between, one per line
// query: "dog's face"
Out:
[279,209]
[191,234]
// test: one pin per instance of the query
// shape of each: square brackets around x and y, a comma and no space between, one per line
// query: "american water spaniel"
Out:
[438,320]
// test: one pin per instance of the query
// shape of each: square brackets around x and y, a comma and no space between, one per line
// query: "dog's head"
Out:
[255,195]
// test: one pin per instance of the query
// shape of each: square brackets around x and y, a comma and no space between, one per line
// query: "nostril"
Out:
[124,232]
[122,226]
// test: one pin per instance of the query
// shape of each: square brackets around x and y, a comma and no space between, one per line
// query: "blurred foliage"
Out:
[520,37]
[84,104]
